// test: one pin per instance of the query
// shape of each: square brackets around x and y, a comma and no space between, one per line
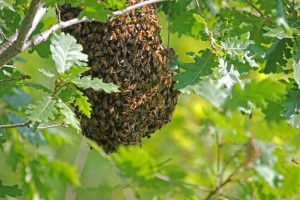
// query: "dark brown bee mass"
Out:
[127,51]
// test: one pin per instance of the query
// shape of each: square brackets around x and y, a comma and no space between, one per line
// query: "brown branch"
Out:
[39,38]
[22,77]
[14,44]
[29,125]
[266,18]
[228,180]
[24,124]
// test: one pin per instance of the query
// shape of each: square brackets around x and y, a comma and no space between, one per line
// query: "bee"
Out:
[107,79]
[102,114]
[114,77]
[297,162]
[110,51]
[111,123]
[113,36]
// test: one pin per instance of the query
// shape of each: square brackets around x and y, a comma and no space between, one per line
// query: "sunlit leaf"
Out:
[66,52]
[42,110]
[95,83]
[193,71]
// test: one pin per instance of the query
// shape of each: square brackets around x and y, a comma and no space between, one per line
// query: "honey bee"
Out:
[110,51]
[297,162]
[102,114]
[113,36]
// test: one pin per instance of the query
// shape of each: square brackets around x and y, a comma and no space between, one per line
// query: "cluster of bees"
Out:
[127,51]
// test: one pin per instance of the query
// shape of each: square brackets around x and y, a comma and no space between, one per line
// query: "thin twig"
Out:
[29,125]
[58,12]
[219,145]
[53,126]
[14,44]
[198,6]
[22,77]
[136,6]
[24,124]
[266,18]
[229,179]
[168,179]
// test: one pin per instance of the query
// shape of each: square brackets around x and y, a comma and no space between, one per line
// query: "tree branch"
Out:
[24,124]
[136,6]
[14,44]
[266,18]
[229,179]
[29,125]
[22,77]
[37,39]
[198,6]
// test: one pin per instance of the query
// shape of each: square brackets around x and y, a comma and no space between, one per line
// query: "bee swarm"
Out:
[127,51]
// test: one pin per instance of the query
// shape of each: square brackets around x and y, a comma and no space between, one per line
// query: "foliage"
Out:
[235,131]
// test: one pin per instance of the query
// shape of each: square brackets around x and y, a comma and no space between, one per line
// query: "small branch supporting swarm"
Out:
[28,124]
[19,42]
[22,77]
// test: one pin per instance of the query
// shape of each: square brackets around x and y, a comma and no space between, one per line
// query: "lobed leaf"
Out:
[66,52]
[95,83]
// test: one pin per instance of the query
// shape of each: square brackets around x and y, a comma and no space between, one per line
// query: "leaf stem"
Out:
[228,180]
[22,77]
[266,18]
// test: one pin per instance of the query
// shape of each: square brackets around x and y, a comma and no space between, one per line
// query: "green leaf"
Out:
[52,3]
[227,78]
[258,93]
[75,72]
[65,172]
[95,11]
[296,65]
[239,47]
[201,67]
[95,83]
[210,90]
[66,52]
[46,73]
[118,4]
[294,120]
[82,103]
[18,100]
[69,115]
[292,103]
[276,55]
[42,110]
[71,95]
[277,32]
[37,86]
[9,191]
